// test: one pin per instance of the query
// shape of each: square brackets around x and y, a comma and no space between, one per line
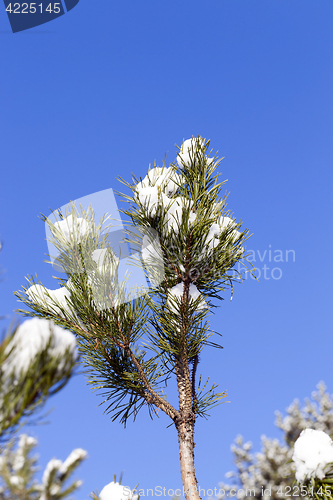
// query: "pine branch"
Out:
[196,244]
[155,398]
[26,380]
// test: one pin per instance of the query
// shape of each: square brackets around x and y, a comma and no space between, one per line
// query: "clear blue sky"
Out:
[111,86]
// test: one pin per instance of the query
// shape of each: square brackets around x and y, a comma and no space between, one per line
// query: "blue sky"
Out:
[111,86]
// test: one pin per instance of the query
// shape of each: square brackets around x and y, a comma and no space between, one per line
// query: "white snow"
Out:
[187,151]
[151,197]
[77,454]
[25,441]
[216,230]
[149,253]
[213,235]
[161,177]
[50,298]
[150,194]
[313,450]
[52,465]
[178,290]
[60,468]
[16,481]
[55,489]
[174,213]
[153,257]
[115,491]
[31,337]
[192,217]
[99,282]
[104,260]
[73,228]
[154,189]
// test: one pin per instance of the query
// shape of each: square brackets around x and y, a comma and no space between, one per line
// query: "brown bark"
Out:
[187,397]
[154,398]
[186,454]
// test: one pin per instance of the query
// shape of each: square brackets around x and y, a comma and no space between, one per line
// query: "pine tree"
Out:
[189,246]
[18,469]
[270,474]
[36,360]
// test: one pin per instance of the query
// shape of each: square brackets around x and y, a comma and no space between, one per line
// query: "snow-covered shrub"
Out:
[18,470]
[36,360]
[270,473]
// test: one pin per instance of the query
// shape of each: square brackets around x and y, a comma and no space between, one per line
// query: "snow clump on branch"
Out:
[76,455]
[116,491]
[150,197]
[174,214]
[18,470]
[178,291]
[312,452]
[160,177]
[57,471]
[216,230]
[31,338]
[104,260]
[153,259]
[42,296]
[155,192]
[188,150]
[25,442]
[72,226]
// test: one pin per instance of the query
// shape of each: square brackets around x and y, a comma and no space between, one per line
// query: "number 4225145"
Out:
[32,8]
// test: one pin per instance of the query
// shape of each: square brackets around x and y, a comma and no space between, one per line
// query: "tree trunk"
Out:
[186,454]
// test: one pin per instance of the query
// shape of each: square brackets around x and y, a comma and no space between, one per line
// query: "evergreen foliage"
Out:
[132,346]
[18,469]
[28,375]
[270,473]
[36,360]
